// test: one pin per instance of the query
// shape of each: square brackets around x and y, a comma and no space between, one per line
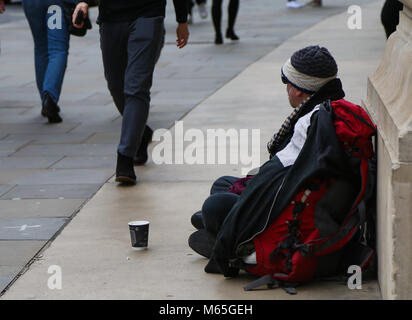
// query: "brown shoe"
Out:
[315,3]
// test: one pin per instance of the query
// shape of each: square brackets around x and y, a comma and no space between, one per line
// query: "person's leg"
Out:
[233,9]
[217,20]
[190,4]
[145,40]
[390,16]
[36,16]
[201,5]
[58,49]
[215,210]
[222,184]
[113,44]
[293,4]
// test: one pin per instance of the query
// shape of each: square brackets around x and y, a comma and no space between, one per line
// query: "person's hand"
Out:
[182,33]
[81,6]
[2,6]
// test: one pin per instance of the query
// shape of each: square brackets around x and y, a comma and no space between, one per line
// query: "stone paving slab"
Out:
[103,162]
[4,188]
[29,229]
[56,138]
[12,145]
[24,163]
[36,128]
[68,150]
[14,256]
[104,137]
[97,128]
[39,208]
[7,274]
[50,191]
[5,153]
[65,176]
[9,175]
[17,251]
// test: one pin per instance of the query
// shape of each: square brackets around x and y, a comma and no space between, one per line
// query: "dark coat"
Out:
[269,192]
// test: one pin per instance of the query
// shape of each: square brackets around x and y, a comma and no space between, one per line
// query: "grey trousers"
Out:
[130,51]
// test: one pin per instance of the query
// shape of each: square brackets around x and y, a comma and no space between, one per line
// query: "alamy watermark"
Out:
[55,20]
[54,282]
[355,19]
[216,146]
[355,280]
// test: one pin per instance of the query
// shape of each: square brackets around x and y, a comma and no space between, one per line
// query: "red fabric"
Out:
[239,185]
[303,267]
[354,130]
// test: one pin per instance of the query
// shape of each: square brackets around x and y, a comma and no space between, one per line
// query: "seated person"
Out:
[310,76]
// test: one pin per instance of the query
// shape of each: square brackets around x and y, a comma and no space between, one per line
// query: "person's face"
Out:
[296,97]
[293,95]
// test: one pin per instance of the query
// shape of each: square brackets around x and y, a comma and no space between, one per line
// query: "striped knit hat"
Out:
[309,69]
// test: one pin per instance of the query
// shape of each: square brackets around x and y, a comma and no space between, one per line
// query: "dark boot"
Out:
[50,109]
[202,242]
[141,154]
[230,34]
[197,220]
[124,170]
[218,38]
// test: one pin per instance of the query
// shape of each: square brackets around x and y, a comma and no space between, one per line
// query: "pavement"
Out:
[59,204]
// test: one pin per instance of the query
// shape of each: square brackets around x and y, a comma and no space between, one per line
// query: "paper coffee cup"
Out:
[139,234]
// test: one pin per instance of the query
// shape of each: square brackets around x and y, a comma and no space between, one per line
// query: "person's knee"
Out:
[215,209]
[222,184]
[138,86]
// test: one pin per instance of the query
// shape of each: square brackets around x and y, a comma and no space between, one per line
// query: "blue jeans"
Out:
[51,45]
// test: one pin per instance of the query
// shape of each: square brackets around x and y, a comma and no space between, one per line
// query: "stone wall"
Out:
[389,102]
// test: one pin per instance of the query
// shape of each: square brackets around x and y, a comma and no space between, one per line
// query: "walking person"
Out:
[131,39]
[201,5]
[233,9]
[293,4]
[390,15]
[2,6]
[51,50]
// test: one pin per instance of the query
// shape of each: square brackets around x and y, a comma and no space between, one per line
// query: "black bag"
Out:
[68,9]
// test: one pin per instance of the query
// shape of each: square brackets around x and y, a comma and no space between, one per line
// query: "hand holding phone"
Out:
[79,18]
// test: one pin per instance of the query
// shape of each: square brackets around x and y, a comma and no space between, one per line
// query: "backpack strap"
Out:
[354,220]
[271,283]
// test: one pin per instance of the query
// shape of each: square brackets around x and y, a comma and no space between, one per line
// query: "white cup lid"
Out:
[138,223]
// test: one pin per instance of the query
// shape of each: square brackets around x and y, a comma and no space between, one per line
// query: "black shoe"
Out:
[197,220]
[218,38]
[141,154]
[202,242]
[50,109]
[230,34]
[124,170]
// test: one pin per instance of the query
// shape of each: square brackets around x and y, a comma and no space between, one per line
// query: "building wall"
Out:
[389,102]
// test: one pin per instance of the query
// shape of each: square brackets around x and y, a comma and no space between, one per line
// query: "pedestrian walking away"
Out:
[51,50]
[293,4]
[2,6]
[201,5]
[390,15]
[131,39]
[233,9]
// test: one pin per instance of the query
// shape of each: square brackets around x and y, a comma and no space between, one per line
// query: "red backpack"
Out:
[288,252]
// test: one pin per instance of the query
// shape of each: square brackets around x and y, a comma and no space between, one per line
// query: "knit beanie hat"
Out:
[309,69]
